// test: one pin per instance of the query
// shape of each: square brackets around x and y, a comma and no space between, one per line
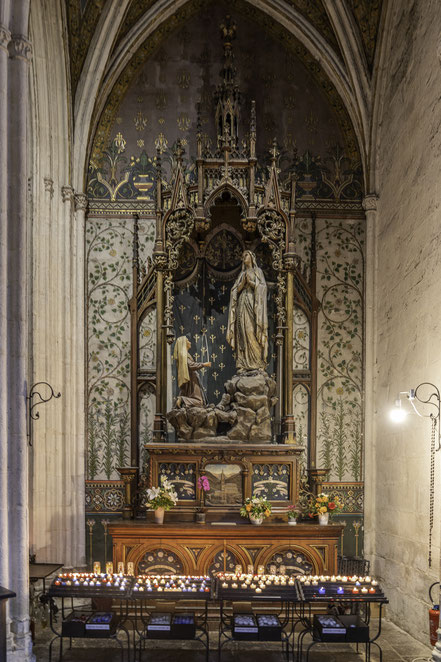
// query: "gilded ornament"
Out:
[160,101]
[183,79]
[119,143]
[161,143]
[140,121]
[183,122]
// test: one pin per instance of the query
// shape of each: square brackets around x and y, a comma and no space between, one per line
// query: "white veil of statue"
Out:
[247,331]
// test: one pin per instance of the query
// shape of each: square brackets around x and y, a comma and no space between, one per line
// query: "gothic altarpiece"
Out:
[203,229]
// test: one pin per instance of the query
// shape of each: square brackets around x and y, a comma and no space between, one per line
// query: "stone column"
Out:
[370,207]
[5,37]
[17,344]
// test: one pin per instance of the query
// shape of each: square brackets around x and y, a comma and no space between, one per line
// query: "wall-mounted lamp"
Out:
[426,394]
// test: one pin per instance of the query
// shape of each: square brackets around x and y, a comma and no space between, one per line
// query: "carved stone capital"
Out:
[67,193]
[5,38]
[291,261]
[20,48]
[81,202]
[160,261]
[49,186]
[370,202]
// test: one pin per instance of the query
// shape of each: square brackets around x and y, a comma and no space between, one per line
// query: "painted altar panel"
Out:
[225,485]
[272,481]
[183,477]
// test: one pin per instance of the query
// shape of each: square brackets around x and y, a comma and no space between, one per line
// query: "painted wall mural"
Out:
[109,283]
[340,273]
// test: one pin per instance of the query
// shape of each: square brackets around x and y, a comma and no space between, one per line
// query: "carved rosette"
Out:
[20,48]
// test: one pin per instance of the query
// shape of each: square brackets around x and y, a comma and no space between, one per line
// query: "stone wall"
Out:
[407,308]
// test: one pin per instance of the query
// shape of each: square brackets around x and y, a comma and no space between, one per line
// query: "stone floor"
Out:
[397,646]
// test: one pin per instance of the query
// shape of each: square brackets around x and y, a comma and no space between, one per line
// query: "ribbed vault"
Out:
[335,41]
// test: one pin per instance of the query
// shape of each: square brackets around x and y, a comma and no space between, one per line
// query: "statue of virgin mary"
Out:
[247,331]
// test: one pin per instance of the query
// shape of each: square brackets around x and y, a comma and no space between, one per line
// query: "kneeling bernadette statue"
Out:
[191,391]
[247,330]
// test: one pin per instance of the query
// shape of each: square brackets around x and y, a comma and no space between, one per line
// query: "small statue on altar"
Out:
[191,391]
[247,331]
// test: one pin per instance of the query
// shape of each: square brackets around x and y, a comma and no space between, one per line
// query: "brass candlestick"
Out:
[105,523]
[356,526]
[90,523]
[343,523]
[128,475]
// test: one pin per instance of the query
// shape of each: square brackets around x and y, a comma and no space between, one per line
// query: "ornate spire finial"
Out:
[227,96]
[179,151]
[228,30]
[253,118]
[198,120]
[274,151]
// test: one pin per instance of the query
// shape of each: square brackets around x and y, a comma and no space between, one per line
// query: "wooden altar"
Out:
[188,548]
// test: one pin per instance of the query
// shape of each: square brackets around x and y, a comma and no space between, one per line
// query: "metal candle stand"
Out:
[297,598]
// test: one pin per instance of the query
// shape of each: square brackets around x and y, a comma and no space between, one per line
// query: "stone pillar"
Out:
[5,37]
[16,347]
[370,207]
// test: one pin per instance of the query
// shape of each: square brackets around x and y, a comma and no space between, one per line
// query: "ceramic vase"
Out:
[323,519]
[159,515]
[292,522]
[256,520]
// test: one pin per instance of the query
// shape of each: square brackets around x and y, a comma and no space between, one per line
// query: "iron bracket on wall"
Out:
[34,393]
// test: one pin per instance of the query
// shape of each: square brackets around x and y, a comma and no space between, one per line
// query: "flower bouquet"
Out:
[203,486]
[294,513]
[161,498]
[256,508]
[324,506]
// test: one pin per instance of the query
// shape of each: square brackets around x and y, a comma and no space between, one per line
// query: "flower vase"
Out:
[292,522]
[159,515]
[323,519]
[200,517]
[256,520]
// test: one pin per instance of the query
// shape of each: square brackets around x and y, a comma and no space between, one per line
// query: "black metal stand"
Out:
[113,632]
[226,628]
[305,617]
[201,621]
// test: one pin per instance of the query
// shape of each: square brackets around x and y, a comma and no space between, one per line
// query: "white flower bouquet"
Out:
[163,496]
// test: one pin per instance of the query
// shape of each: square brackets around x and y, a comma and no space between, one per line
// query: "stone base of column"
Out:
[19,644]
